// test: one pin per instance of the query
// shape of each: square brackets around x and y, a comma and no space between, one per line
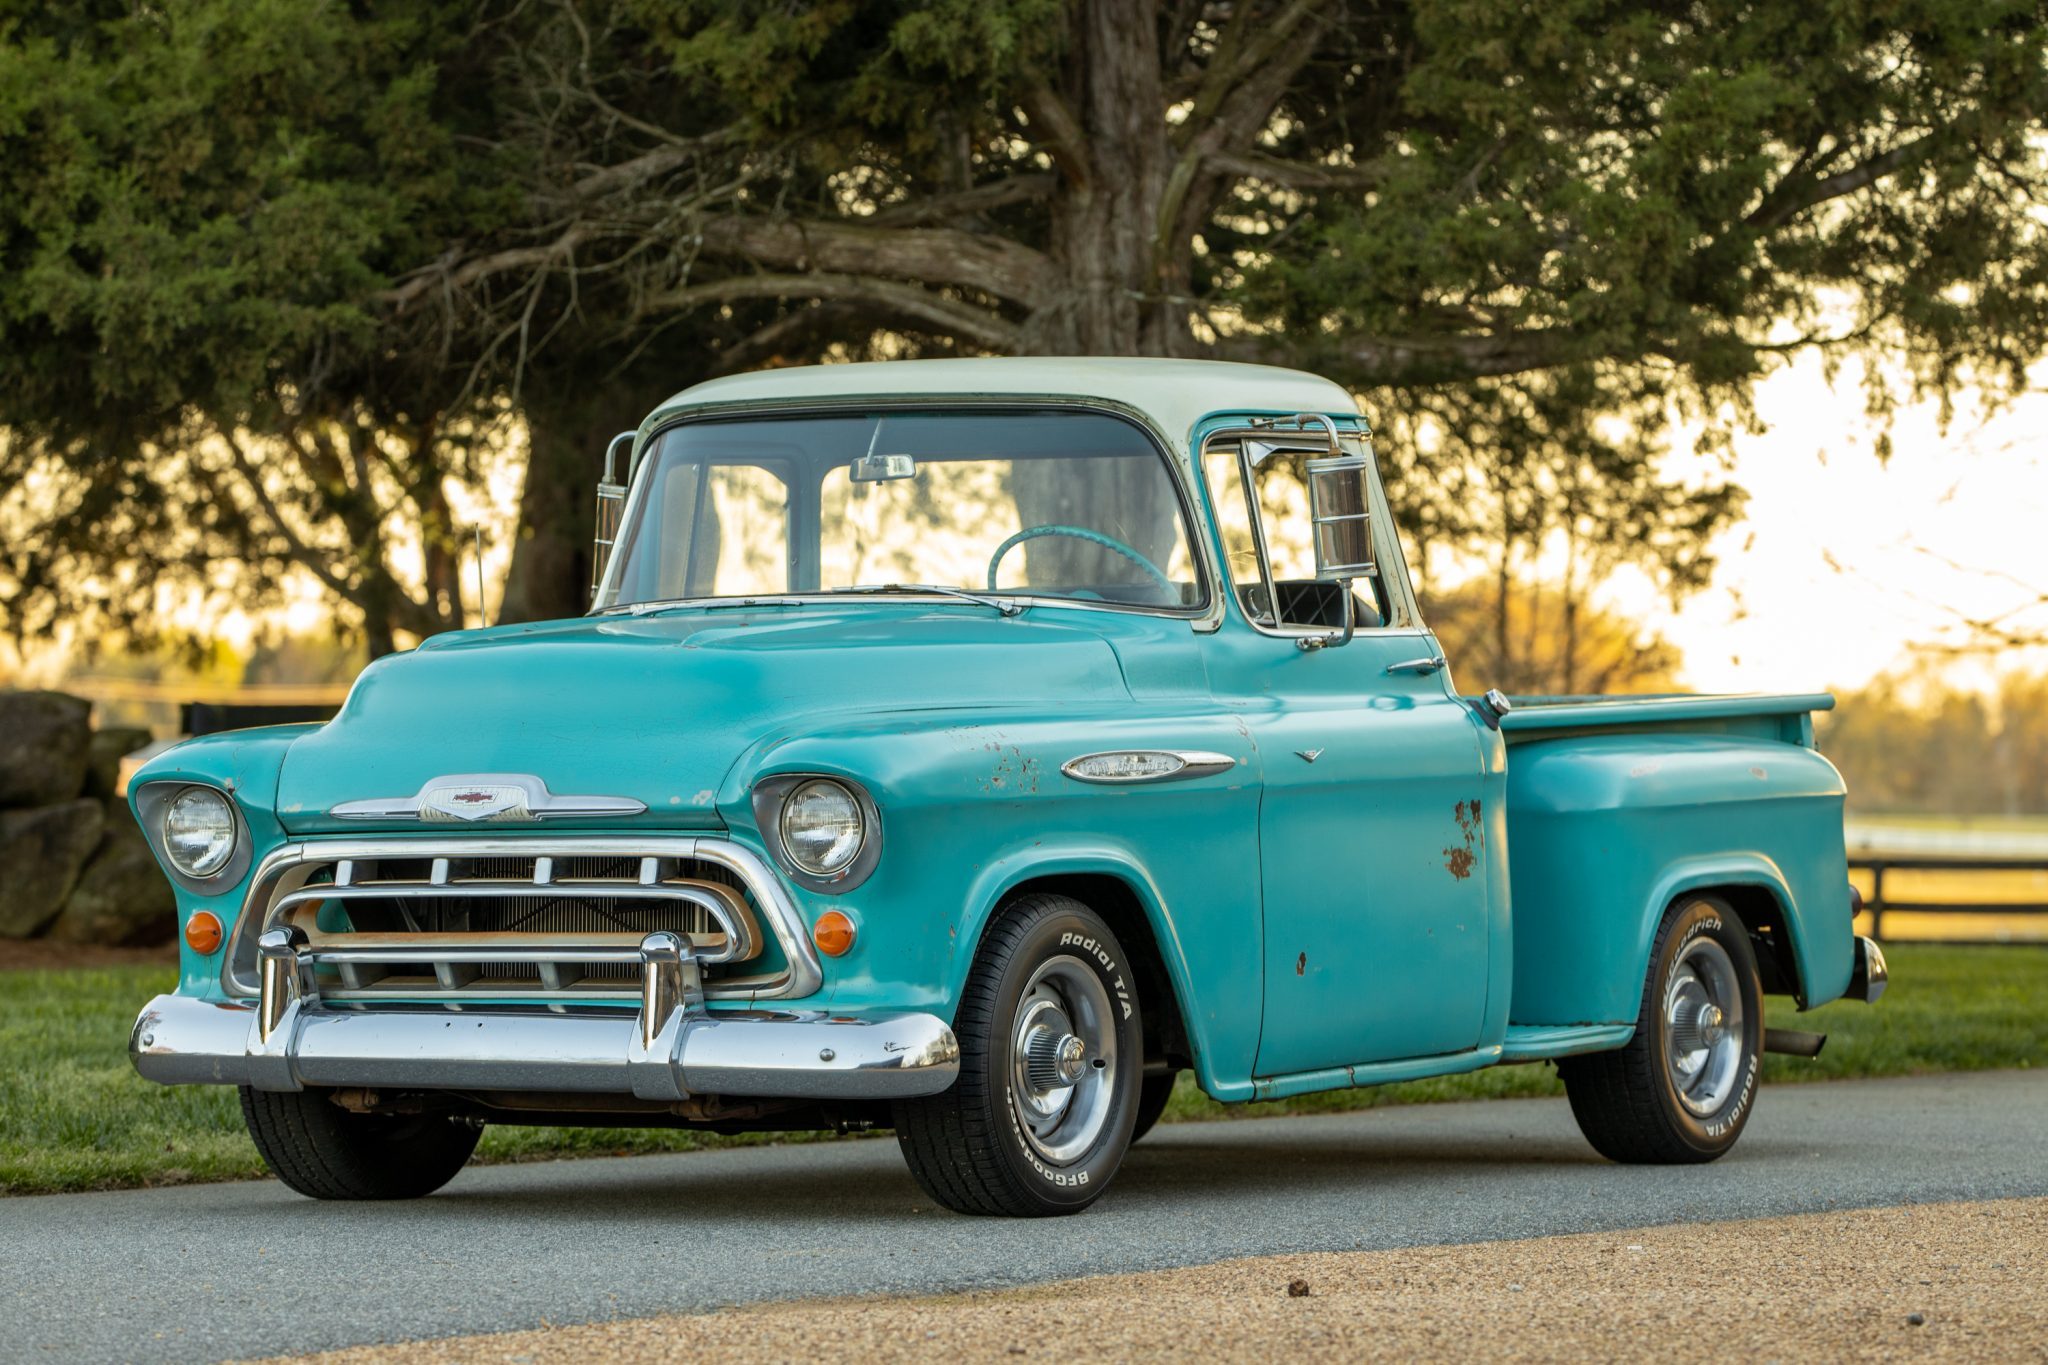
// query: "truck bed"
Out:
[1619,806]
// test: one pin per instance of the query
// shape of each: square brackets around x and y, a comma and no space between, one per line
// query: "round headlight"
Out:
[822,828]
[199,831]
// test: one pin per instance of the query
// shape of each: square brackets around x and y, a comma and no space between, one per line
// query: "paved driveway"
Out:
[211,1272]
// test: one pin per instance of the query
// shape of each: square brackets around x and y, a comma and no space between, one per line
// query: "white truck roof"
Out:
[1174,394]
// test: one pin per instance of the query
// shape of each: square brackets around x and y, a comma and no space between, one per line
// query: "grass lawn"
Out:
[74,1116]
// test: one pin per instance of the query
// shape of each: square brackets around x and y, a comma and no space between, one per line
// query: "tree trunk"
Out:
[566,434]
[1104,216]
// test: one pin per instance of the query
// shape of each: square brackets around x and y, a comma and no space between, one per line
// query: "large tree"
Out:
[1506,225]
[1528,235]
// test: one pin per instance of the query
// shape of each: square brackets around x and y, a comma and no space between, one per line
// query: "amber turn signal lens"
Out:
[833,933]
[202,932]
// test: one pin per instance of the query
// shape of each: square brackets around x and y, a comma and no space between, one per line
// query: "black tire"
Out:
[967,1146]
[1153,1093]
[1635,1105]
[324,1151]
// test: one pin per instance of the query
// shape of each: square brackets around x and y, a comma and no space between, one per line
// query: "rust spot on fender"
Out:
[1301,965]
[1460,858]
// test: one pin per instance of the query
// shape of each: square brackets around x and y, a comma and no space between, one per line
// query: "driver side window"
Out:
[1297,599]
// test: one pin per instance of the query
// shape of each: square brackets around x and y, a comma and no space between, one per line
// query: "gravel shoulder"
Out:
[1934,1281]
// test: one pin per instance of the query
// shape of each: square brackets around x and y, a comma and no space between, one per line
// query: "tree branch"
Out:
[994,265]
[1016,189]
[890,298]
[1793,197]
[1236,105]
[1064,139]
[1293,175]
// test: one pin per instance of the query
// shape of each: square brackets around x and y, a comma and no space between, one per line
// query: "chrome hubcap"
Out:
[1063,1060]
[1703,1027]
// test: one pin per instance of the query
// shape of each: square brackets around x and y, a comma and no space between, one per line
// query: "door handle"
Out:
[1429,665]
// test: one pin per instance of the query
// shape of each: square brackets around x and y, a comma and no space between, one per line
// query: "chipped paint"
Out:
[1459,859]
[1301,965]
[1014,771]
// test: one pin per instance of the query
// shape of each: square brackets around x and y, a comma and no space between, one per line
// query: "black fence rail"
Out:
[1879,904]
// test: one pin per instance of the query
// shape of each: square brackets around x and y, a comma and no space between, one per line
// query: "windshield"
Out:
[1042,504]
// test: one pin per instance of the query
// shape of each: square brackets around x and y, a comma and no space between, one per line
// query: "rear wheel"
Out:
[1684,1087]
[1050,1053]
[322,1150]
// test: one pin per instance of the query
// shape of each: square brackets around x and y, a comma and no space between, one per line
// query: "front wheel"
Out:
[1153,1094]
[1051,1053]
[322,1150]
[1684,1087]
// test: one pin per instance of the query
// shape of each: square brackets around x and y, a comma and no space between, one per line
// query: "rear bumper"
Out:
[672,1048]
[1867,974]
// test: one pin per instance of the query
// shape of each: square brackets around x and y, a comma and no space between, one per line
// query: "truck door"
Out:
[1373,867]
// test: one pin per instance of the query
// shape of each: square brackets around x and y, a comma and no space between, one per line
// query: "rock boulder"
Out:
[42,851]
[122,898]
[103,756]
[43,742]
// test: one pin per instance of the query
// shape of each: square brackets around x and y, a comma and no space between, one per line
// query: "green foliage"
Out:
[74,1115]
[1545,639]
[1531,236]
[1915,745]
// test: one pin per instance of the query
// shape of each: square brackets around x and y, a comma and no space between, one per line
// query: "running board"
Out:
[1793,1043]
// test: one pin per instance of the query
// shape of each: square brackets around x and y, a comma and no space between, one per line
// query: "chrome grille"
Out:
[552,920]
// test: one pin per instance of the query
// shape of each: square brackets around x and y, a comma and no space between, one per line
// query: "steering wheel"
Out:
[1157,574]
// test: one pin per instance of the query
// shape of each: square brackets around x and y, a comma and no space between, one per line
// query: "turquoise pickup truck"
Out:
[967,748]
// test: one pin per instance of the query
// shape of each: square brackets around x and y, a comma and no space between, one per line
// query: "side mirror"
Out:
[1341,517]
[1340,523]
[611,508]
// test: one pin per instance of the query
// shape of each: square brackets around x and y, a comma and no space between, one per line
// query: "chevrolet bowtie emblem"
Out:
[497,797]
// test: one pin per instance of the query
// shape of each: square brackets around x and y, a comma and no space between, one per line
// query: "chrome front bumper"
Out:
[671,1049]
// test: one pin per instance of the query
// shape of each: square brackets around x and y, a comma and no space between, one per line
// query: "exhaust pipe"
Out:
[1793,1043]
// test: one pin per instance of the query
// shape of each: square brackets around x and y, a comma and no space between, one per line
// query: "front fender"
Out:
[245,764]
[975,806]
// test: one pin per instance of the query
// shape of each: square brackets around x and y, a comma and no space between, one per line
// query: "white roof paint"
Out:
[1175,394]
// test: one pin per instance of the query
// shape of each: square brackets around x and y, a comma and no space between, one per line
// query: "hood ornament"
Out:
[500,798]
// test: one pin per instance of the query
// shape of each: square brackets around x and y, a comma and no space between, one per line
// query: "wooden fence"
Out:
[1957,872]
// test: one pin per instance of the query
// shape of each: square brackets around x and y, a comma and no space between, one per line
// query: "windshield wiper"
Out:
[1007,606]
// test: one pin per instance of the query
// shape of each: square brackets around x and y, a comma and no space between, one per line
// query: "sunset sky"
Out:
[1847,567]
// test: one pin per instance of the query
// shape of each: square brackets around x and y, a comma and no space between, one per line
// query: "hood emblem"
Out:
[1308,755]
[500,798]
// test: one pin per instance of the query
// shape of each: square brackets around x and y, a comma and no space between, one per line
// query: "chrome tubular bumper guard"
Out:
[672,1049]
[1868,974]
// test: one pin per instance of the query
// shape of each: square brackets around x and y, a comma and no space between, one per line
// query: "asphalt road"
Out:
[219,1271]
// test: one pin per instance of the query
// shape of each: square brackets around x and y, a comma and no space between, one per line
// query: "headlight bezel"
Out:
[771,800]
[152,807]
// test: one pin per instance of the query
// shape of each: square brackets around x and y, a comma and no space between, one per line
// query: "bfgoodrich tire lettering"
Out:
[1051,1051]
[1684,1087]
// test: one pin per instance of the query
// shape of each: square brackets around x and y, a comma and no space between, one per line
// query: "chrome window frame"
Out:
[1204,617]
[1399,588]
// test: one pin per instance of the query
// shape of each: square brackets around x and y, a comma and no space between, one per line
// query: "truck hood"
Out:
[659,708]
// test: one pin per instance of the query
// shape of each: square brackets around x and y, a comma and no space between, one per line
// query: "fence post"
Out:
[1876,900]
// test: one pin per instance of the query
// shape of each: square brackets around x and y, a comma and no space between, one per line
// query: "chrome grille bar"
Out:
[285,893]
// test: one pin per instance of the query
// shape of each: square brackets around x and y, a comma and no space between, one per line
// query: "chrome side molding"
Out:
[1123,767]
